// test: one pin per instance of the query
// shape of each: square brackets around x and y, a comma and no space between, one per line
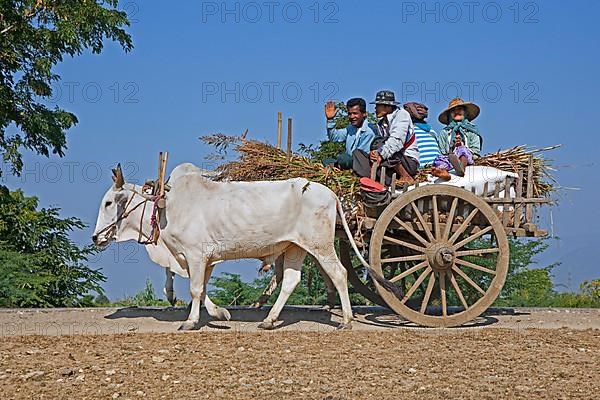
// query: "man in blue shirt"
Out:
[358,135]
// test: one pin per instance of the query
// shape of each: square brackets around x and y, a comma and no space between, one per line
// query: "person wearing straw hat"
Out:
[460,141]
[395,147]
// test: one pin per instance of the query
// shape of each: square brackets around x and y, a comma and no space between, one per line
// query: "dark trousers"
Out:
[361,164]
[342,161]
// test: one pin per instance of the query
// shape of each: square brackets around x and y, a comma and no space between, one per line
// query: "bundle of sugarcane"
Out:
[261,161]
[516,160]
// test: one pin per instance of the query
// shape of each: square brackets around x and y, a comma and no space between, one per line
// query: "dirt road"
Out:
[118,354]
[94,321]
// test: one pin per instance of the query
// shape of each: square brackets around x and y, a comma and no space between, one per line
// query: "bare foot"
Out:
[406,180]
[441,173]
[457,164]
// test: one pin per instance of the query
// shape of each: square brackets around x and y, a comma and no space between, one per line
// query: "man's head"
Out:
[385,103]
[418,112]
[381,110]
[357,111]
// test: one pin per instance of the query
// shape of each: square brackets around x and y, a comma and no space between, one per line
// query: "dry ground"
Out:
[489,360]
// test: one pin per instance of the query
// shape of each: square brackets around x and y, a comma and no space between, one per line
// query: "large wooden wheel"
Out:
[459,255]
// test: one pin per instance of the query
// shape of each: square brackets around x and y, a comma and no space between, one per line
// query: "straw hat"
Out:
[472,110]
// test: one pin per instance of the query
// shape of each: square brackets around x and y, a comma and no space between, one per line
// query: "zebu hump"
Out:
[190,169]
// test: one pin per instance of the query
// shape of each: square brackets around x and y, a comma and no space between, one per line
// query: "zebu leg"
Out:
[168,290]
[214,310]
[197,270]
[272,286]
[292,269]
[330,288]
[336,271]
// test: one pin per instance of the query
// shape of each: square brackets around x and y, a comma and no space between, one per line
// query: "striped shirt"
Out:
[427,143]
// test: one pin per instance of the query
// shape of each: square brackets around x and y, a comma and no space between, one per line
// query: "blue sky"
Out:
[203,67]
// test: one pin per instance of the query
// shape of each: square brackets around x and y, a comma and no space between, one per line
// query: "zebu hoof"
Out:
[344,327]
[172,300]
[189,326]
[266,325]
[223,314]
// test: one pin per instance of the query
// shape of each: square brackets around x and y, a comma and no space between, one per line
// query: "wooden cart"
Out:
[446,247]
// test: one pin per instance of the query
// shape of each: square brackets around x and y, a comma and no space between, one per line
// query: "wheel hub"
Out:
[441,257]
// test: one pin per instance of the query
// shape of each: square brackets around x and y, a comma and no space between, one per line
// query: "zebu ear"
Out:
[118,179]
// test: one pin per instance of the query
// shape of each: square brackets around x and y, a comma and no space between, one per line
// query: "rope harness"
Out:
[142,238]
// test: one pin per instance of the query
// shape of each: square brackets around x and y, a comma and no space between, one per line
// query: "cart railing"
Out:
[515,212]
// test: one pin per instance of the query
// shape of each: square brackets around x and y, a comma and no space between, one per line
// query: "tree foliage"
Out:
[35,35]
[230,290]
[525,285]
[39,265]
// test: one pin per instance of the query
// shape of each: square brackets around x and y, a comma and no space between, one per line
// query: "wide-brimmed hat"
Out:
[386,97]
[472,110]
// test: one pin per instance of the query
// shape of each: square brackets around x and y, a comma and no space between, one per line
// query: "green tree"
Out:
[39,265]
[35,35]
[591,289]
[527,286]
[230,290]
[143,298]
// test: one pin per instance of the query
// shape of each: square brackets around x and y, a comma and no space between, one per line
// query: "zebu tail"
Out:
[389,286]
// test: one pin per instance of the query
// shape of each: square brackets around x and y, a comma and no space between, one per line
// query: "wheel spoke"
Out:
[411,231]
[418,257]
[409,271]
[474,266]
[416,285]
[436,217]
[427,293]
[405,244]
[457,289]
[463,226]
[473,237]
[469,280]
[450,218]
[476,252]
[443,294]
[422,221]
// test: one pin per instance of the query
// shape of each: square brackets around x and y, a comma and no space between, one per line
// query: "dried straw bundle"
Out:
[261,161]
[516,160]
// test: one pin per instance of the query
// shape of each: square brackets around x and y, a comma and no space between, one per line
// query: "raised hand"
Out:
[330,110]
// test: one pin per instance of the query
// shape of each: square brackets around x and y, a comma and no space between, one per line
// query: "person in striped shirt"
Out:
[426,136]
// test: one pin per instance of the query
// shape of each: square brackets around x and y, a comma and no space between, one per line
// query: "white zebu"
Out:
[161,255]
[204,222]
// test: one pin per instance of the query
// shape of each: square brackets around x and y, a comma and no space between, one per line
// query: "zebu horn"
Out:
[118,177]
